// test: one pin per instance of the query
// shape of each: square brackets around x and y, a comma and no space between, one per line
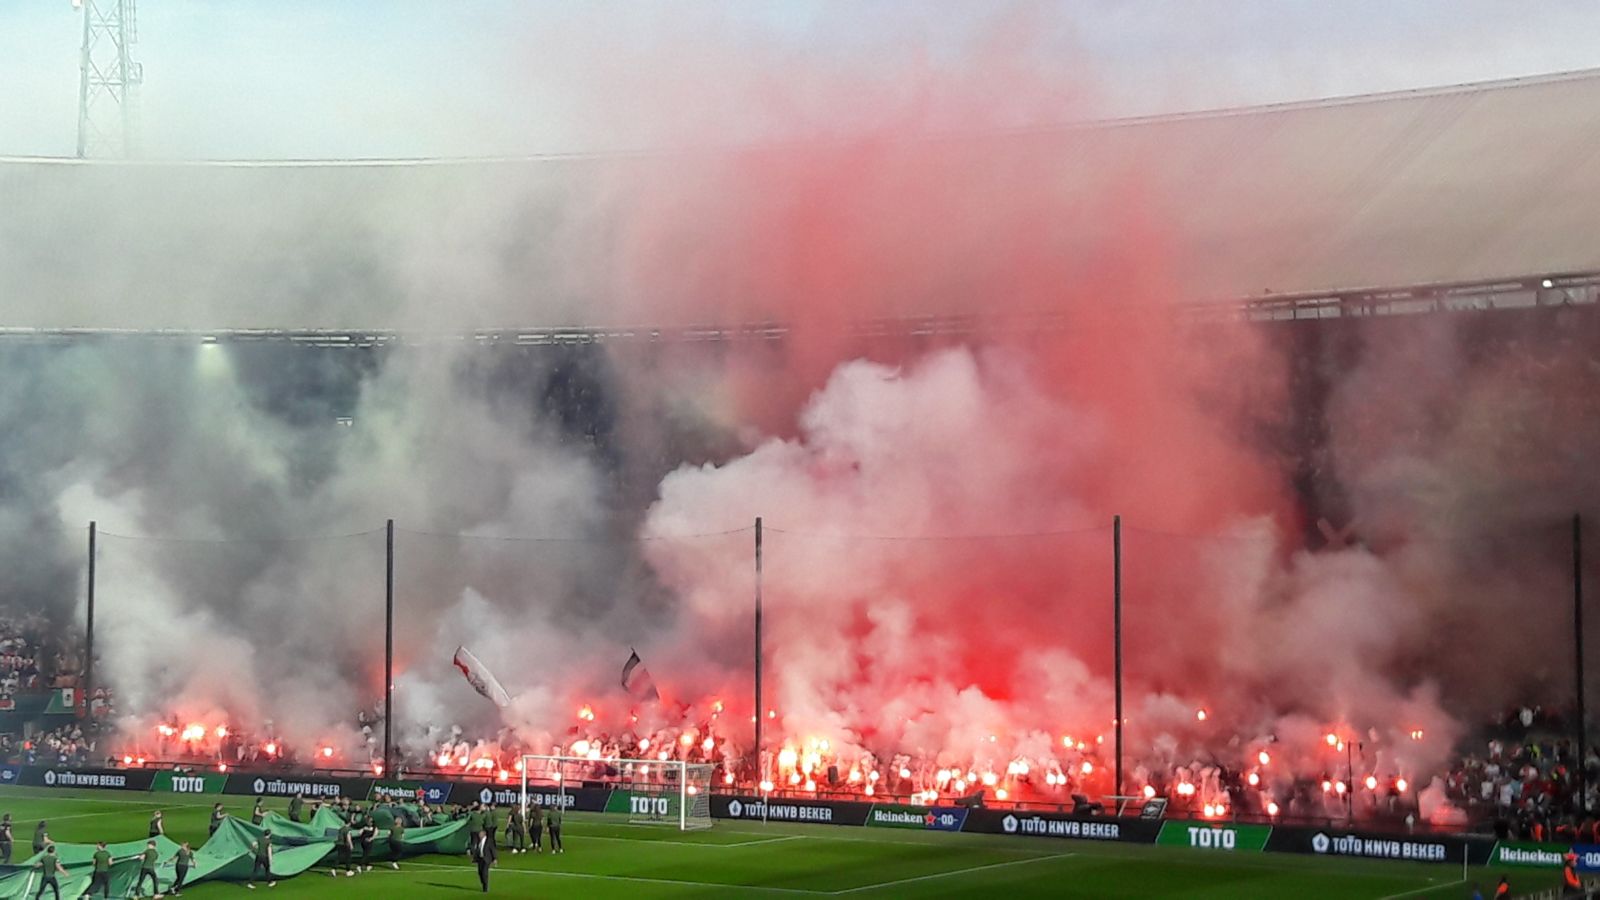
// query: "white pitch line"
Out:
[634,878]
[772,840]
[1431,887]
[952,873]
[876,840]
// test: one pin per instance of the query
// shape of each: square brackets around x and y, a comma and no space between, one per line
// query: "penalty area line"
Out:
[954,872]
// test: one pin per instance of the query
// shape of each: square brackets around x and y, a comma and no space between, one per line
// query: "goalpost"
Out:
[650,791]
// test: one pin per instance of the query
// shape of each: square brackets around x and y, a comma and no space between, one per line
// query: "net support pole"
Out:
[683,796]
[88,634]
[1577,641]
[1116,637]
[388,650]
[761,712]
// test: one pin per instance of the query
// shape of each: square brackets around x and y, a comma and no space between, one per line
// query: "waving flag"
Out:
[481,679]
[641,685]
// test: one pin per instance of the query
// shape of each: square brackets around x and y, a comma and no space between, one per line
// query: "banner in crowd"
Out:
[1215,836]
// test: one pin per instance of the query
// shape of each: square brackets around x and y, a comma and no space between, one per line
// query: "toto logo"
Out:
[260,786]
[1319,842]
[49,777]
[1009,823]
[735,808]
[486,795]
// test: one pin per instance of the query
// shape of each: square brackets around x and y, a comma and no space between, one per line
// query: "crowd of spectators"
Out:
[1525,781]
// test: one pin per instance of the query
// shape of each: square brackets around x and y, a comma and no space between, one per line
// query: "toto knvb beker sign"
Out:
[311,788]
[1060,825]
[115,779]
[822,812]
[1377,847]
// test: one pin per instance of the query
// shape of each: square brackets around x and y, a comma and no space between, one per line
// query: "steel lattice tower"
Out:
[108,79]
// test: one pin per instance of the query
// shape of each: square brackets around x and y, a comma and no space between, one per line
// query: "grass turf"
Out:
[609,858]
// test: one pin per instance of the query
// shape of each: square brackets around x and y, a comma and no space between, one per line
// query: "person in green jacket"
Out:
[157,827]
[552,823]
[218,814]
[474,824]
[185,859]
[263,863]
[296,807]
[51,865]
[491,822]
[102,871]
[397,831]
[259,813]
[147,869]
[40,837]
[342,845]
[516,832]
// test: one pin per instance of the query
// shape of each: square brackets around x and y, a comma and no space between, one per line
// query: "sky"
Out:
[296,79]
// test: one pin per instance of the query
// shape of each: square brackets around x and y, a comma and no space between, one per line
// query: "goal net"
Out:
[649,791]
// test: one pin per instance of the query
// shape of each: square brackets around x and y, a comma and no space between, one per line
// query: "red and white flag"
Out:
[481,679]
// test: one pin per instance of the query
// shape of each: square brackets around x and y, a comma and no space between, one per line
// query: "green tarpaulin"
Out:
[226,855]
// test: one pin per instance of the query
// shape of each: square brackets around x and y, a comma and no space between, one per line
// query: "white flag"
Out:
[481,679]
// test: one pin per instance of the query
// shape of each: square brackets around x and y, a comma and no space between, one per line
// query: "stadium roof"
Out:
[1462,184]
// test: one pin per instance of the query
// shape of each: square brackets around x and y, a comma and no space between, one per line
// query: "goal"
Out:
[649,791]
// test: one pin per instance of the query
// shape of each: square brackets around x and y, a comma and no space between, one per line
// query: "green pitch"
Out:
[609,858]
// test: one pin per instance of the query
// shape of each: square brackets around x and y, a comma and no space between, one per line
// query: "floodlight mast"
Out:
[108,77]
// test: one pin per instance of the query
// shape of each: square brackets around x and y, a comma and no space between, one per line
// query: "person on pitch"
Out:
[491,822]
[263,863]
[474,823]
[5,840]
[101,877]
[260,812]
[50,866]
[516,830]
[41,837]
[184,860]
[552,823]
[368,833]
[147,869]
[536,826]
[157,827]
[217,815]
[342,845]
[483,853]
[297,807]
[397,832]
